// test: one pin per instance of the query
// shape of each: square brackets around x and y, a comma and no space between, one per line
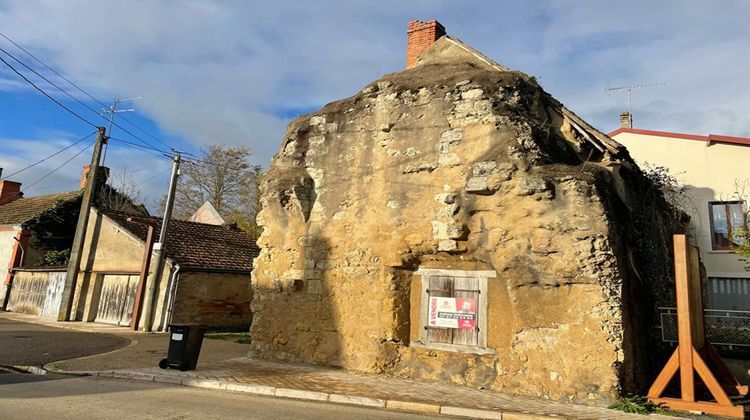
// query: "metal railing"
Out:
[723,327]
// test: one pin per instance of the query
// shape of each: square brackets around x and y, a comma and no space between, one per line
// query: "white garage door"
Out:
[116,299]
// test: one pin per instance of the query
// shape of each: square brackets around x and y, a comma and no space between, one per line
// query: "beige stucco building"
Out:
[206,277]
[714,169]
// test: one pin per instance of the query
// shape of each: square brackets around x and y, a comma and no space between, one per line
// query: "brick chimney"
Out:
[626,120]
[9,191]
[103,174]
[420,35]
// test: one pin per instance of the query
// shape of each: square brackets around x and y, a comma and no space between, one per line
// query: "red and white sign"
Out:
[460,313]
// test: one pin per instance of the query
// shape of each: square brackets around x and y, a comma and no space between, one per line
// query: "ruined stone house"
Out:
[455,222]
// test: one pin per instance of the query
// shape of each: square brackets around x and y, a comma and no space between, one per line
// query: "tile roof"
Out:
[197,245]
[24,209]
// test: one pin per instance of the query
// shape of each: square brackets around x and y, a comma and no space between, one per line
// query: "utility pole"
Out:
[160,247]
[66,303]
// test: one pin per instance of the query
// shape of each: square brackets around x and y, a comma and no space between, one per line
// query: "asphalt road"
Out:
[88,398]
[26,344]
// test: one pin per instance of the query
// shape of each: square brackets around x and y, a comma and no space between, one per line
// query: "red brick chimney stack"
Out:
[85,175]
[9,191]
[103,175]
[420,35]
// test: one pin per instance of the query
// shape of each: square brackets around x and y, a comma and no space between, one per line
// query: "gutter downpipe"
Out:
[174,281]
[11,270]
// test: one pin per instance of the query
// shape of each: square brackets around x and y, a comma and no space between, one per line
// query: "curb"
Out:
[30,369]
[51,366]
[297,394]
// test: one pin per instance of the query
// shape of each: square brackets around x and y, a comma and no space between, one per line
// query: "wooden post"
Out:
[692,346]
[141,288]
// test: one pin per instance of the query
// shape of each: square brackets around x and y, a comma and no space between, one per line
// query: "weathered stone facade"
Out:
[459,164]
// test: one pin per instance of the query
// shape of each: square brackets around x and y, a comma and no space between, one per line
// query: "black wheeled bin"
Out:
[185,342]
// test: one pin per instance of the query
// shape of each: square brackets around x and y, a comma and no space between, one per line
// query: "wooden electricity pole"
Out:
[160,248]
[66,303]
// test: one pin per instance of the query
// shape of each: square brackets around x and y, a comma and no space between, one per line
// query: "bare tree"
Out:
[121,193]
[223,177]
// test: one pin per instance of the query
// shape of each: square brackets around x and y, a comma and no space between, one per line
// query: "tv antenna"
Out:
[112,111]
[630,90]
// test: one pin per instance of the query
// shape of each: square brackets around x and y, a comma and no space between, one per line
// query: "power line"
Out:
[49,157]
[11,197]
[151,148]
[47,95]
[87,106]
[161,173]
[80,88]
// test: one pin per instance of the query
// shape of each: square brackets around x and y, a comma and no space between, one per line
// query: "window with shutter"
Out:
[453,313]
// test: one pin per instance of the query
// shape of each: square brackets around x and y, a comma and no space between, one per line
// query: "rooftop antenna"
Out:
[630,90]
[111,111]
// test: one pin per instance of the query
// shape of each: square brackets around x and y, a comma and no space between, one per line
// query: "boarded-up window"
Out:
[454,309]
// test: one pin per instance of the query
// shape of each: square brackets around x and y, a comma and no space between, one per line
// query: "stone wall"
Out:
[221,300]
[449,166]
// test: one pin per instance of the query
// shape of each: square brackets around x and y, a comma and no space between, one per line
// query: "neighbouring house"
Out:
[715,170]
[207,214]
[455,222]
[24,218]
[206,277]
[36,234]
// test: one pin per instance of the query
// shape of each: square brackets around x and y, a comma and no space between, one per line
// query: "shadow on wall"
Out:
[644,236]
[87,288]
[294,316]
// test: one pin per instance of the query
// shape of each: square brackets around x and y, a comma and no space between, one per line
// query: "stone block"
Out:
[301,394]
[472,94]
[447,245]
[356,400]
[447,198]
[413,407]
[472,413]
[449,160]
[251,389]
[478,185]
[532,185]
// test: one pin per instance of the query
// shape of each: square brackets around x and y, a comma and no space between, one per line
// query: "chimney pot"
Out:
[626,120]
[420,35]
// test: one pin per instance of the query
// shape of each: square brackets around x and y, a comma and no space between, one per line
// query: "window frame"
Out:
[730,227]
[482,277]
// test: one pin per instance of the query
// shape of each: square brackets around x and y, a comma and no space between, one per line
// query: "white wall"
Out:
[710,172]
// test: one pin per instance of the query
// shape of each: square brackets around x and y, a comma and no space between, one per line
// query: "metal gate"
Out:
[729,293]
[116,299]
[54,294]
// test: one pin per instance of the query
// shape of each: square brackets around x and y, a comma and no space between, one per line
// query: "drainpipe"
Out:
[21,237]
[174,281]
[20,246]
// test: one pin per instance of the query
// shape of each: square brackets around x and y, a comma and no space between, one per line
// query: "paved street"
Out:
[84,398]
[26,344]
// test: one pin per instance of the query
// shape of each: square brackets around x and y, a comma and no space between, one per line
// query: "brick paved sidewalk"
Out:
[338,386]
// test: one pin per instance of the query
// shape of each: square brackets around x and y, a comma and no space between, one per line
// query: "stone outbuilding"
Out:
[456,222]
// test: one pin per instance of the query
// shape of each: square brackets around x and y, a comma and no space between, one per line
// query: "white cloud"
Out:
[215,71]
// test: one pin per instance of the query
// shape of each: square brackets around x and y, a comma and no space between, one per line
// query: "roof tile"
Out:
[197,245]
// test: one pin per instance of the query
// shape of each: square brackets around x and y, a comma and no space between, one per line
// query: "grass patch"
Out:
[637,404]
[237,337]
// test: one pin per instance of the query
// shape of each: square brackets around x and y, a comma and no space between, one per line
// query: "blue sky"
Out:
[236,72]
